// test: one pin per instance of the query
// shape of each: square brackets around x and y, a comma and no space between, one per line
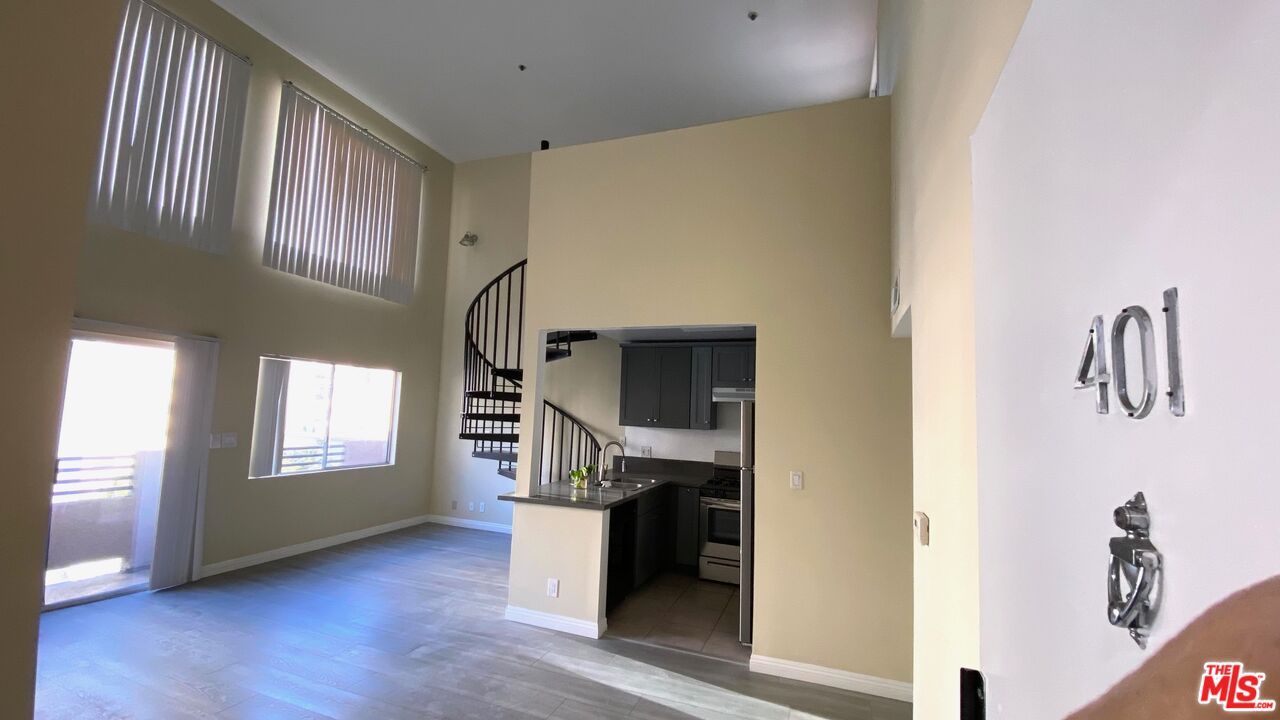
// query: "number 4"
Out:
[1093,365]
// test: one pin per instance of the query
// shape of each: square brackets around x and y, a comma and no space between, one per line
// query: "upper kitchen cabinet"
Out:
[734,366]
[702,413]
[656,386]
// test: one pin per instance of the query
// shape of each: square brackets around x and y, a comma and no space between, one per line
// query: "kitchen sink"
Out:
[621,485]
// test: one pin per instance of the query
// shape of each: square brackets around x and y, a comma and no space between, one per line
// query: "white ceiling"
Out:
[446,70]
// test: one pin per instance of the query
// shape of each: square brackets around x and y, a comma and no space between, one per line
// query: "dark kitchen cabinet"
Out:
[622,554]
[656,387]
[653,544]
[702,413]
[734,366]
[687,539]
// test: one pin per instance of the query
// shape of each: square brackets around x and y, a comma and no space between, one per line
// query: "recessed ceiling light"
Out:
[522,67]
[752,15]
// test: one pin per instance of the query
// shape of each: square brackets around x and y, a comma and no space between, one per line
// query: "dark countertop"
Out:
[659,471]
[589,498]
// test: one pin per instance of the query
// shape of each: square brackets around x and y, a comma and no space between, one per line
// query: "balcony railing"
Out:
[95,477]
[312,457]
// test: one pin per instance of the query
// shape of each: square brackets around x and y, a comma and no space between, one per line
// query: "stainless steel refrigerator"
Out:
[746,590]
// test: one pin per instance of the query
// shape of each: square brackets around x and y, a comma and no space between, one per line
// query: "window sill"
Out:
[327,471]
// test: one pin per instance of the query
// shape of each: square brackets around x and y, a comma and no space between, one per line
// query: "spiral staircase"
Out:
[493,376]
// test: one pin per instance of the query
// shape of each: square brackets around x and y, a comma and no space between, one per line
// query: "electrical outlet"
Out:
[797,480]
[230,440]
[481,507]
[471,507]
[646,451]
[553,587]
[454,505]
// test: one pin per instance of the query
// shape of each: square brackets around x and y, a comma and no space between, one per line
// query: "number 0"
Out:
[1147,342]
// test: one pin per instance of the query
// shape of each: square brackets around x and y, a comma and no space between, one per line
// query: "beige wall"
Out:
[780,221]
[587,386]
[950,57]
[491,199]
[129,278]
[57,56]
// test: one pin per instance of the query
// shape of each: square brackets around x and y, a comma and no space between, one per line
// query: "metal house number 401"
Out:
[1092,372]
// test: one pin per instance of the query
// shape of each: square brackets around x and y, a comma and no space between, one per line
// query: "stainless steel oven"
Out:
[720,536]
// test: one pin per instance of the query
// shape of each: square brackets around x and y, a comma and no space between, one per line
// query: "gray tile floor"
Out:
[680,611]
[403,625]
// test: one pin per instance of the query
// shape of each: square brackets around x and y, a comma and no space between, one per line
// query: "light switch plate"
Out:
[215,441]
[553,587]
[797,480]
[481,507]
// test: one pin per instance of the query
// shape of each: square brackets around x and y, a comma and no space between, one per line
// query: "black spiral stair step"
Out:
[554,354]
[494,395]
[571,336]
[512,374]
[509,473]
[493,437]
[494,455]
[492,417]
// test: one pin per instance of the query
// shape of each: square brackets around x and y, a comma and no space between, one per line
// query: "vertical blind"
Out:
[171,137]
[344,205]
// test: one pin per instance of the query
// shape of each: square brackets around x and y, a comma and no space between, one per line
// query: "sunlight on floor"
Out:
[677,692]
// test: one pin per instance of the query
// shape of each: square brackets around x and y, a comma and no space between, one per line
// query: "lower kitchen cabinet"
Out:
[622,554]
[654,531]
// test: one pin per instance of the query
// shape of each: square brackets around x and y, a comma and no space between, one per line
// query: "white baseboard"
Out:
[306,547]
[469,523]
[843,679]
[573,626]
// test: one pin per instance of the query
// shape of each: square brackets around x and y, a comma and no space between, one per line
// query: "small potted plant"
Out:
[578,478]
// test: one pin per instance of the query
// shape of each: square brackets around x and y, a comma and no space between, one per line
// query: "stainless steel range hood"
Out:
[733,394]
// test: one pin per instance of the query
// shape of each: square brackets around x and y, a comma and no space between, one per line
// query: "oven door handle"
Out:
[720,504]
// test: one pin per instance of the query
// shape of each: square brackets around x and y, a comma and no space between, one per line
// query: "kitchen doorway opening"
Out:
[110,464]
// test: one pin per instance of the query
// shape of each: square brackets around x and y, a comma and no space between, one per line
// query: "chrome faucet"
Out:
[604,455]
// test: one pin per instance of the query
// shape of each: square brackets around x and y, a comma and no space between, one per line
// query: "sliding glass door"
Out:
[111,459]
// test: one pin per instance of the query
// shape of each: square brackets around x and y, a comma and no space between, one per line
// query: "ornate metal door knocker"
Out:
[1133,578]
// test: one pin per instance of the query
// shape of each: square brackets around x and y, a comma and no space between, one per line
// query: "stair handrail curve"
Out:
[477,366]
[582,445]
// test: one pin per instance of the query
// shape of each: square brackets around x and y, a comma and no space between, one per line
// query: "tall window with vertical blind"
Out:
[344,204]
[171,137]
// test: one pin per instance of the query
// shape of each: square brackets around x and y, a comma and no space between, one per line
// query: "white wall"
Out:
[1128,147]
[699,445]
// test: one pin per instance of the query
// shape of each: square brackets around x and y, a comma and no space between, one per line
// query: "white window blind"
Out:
[344,205]
[171,138]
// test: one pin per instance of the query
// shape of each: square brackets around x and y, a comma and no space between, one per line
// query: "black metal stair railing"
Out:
[492,367]
[493,371]
[567,444]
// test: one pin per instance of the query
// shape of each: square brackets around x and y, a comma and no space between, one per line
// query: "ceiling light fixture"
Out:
[469,239]
[752,15]
[522,67]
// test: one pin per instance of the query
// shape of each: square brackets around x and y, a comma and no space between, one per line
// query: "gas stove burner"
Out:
[725,484]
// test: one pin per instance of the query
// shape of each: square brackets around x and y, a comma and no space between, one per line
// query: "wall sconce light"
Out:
[469,239]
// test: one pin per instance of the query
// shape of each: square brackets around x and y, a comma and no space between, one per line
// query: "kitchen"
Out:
[672,410]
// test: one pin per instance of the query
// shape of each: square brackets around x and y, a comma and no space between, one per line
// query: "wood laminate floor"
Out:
[403,625]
